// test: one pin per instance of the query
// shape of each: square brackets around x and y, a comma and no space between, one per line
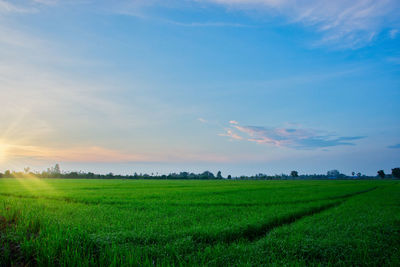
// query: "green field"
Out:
[49,222]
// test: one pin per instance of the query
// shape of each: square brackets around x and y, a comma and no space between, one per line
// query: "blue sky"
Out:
[239,86]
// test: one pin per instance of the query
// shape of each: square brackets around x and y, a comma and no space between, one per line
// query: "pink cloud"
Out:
[75,154]
[298,138]
[231,134]
[101,154]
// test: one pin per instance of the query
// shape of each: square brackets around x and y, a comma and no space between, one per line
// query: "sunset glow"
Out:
[165,86]
[3,152]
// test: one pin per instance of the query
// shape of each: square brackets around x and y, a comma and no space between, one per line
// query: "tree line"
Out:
[55,172]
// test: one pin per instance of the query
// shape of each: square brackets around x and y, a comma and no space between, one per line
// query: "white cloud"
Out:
[345,24]
[341,22]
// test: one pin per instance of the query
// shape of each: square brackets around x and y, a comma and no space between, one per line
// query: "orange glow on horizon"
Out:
[3,151]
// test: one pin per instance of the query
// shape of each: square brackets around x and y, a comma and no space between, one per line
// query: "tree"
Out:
[381,174]
[294,174]
[359,174]
[353,173]
[219,175]
[396,172]
[56,169]
[229,177]
[184,175]
[207,175]
[333,173]
[27,169]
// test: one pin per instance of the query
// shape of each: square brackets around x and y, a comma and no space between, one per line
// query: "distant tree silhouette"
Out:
[333,173]
[57,169]
[207,175]
[396,172]
[353,173]
[381,174]
[55,172]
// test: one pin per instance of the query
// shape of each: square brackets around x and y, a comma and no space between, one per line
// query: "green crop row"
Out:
[119,222]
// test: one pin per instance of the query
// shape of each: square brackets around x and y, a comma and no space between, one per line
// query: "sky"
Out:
[241,86]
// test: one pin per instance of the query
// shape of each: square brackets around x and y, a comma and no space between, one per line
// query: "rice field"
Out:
[56,222]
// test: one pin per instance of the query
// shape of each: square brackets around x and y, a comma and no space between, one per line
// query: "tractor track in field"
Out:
[251,232]
[256,232]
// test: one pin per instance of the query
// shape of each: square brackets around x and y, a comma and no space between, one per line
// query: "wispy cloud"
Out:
[35,6]
[75,154]
[202,120]
[394,146]
[206,24]
[46,2]
[99,154]
[137,9]
[229,133]
[393,60]
[393,33]
[344,23]
[10,7]
[297,138]
[42,106]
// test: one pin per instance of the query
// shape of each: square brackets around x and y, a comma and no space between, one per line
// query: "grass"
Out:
[215,223]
